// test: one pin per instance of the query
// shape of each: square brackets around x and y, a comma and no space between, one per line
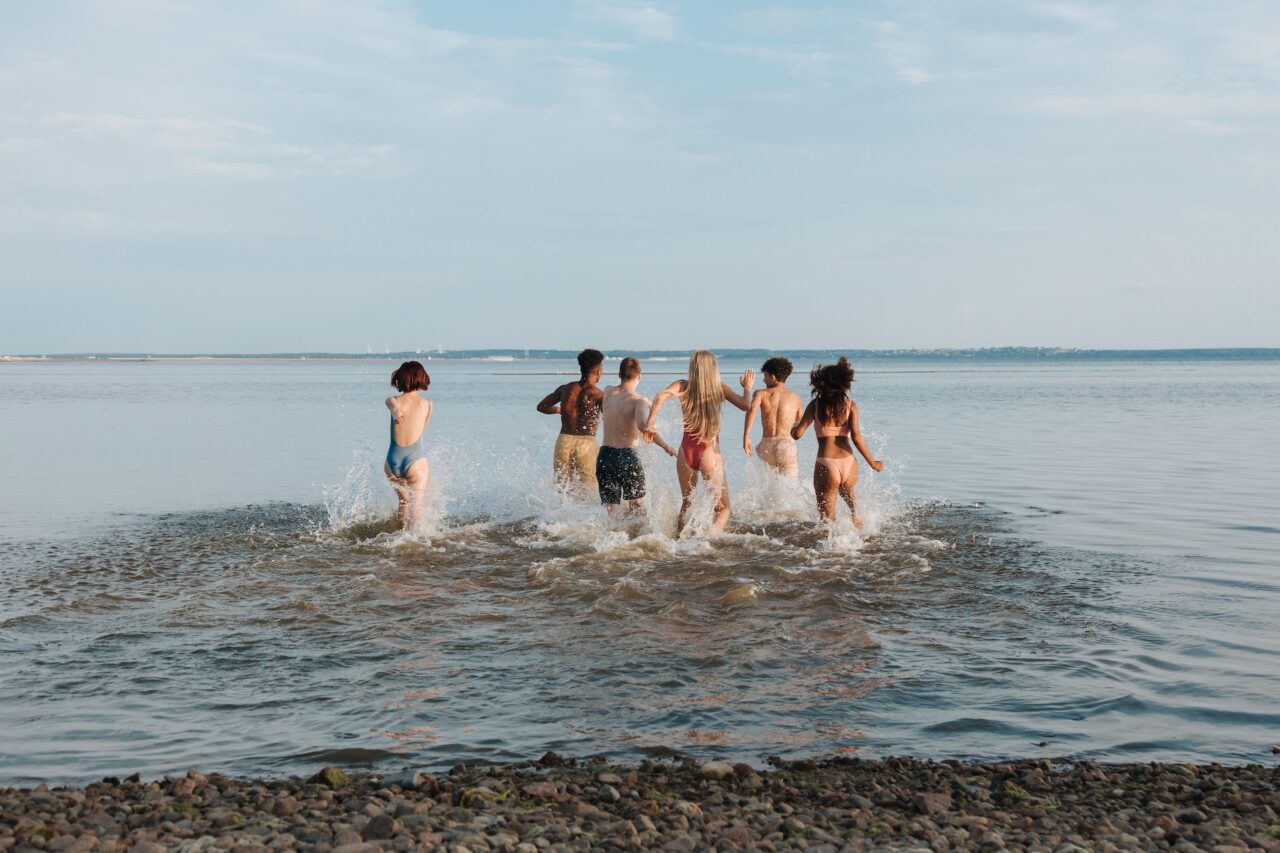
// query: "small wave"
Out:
[349,756]
[747,592]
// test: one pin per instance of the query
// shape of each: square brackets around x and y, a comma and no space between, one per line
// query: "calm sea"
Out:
[197,570]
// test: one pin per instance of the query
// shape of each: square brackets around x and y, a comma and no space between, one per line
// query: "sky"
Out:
[330,175]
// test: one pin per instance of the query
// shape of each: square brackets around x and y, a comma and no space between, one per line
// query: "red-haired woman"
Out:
[407,467]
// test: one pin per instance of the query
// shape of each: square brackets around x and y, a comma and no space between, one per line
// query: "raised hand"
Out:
[748,379]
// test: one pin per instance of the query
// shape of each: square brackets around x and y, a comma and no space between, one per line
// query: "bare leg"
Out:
[402,494]
[713,472]
[847,491]
[688,480]
[416,478]
[825,487]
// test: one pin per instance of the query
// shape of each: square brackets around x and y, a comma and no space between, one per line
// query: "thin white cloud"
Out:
[916,75]
[1086,15]
[640,20]
[167,133]
[808,62]
[227,148]
[1192,105]
[905,50]
[1212,128]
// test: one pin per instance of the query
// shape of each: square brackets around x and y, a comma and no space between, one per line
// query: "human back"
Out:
[406,463]
[702,397]
[624,411]
[835,418]
[577,403]
[833,411]
[409,414]
[579,407]
[780,408]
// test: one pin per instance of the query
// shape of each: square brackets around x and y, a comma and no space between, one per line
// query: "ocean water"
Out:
[198,569]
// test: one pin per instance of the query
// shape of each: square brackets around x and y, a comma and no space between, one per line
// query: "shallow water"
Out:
[198,570]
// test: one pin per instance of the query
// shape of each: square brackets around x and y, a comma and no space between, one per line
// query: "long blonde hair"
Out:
[703,396]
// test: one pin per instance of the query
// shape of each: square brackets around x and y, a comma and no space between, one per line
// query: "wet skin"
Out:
[577,403]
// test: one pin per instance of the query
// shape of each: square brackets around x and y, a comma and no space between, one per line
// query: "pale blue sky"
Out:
[315,175]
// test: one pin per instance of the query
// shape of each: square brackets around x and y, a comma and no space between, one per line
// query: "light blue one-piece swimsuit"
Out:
[399,458]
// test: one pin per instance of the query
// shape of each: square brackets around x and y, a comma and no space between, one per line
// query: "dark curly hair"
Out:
[831,384]
[589,360]
[777,367]
[410,376]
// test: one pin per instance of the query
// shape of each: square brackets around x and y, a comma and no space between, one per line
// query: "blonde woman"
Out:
[701,396]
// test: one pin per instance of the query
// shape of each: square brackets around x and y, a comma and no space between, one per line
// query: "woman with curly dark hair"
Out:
[836,418]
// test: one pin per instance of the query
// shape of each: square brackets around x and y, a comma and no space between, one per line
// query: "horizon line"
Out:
[549,353]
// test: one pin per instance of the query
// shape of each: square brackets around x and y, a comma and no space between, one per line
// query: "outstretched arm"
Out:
[856,430]
[550,404]
[749,420]
[798,430]
[642,421]
[672,390]
[740,400]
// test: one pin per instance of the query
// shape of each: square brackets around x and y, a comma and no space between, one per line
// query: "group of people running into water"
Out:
[613,467]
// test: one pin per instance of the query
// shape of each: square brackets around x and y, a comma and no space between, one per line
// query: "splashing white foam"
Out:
[475,488]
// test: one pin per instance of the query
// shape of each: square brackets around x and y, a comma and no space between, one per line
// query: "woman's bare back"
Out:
[410,413]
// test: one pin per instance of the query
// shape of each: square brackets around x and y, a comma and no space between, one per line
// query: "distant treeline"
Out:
[988,354]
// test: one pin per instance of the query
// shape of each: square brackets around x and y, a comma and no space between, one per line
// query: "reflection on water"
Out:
[1065,597]
[262,640]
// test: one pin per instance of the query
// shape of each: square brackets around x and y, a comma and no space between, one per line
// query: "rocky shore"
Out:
[557,804]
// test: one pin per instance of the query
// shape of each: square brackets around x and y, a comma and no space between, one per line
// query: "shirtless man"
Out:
[578,405]
[618,468]
[780,410]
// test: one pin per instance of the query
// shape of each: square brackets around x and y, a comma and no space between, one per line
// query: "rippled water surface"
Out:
[197,569]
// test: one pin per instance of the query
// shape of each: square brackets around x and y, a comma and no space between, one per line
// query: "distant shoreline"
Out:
[508,356]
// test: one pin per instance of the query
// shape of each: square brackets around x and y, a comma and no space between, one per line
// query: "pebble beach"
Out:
[557,804]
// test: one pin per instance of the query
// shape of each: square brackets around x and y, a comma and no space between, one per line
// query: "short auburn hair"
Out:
[410,376]
[629,368]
